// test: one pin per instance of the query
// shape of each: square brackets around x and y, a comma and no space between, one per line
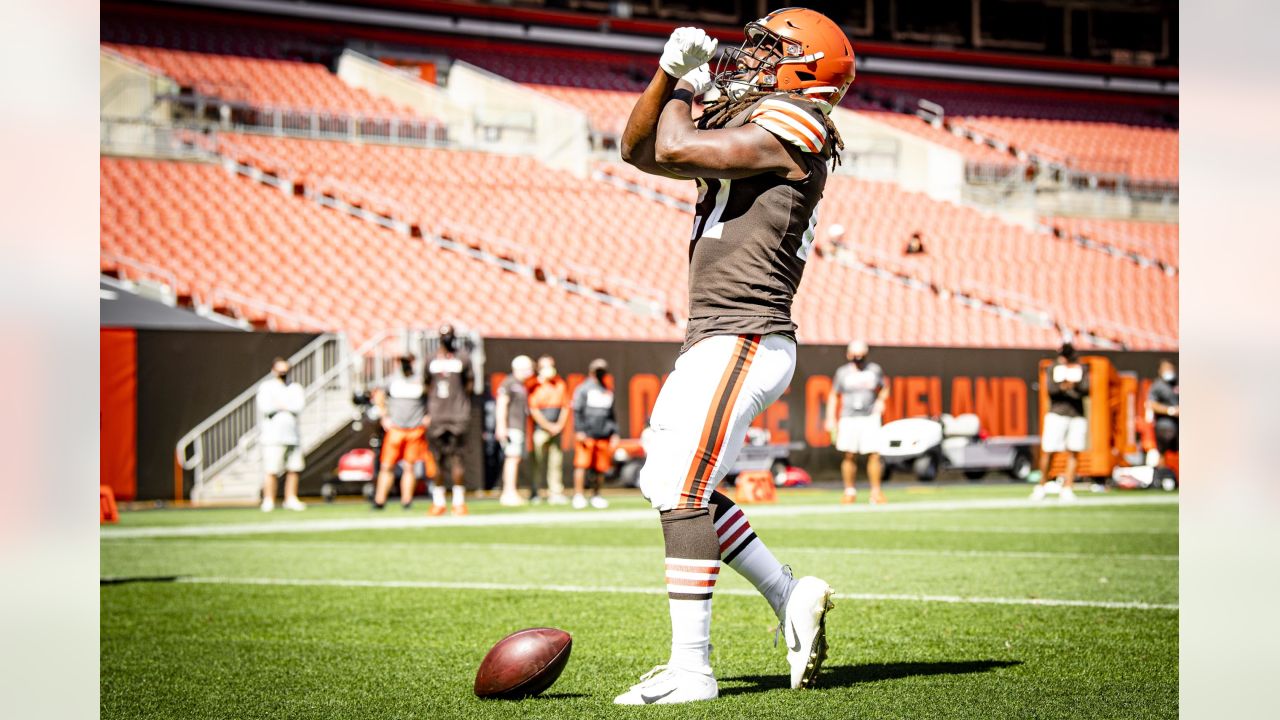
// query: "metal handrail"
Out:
[319,123]
[155,272]
[220,296]
[224,435]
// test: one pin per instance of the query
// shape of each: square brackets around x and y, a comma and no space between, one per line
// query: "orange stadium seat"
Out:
[1145,154]
[263,82]
[631,246]
[226,232]
[1154,240]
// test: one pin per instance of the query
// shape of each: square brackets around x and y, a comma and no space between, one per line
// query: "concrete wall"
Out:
[422,97]
[920,165]
[128,91]
[513,116]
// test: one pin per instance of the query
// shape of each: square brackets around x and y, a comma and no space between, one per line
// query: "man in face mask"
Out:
[595,433]
[511,417]
[549,407]
[279,404]
[1065,427]
[450,383]
[1162,401]
[402,404]
[859,389]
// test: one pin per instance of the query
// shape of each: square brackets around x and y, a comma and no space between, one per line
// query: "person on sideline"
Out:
[1065,427]
[861,390]
[280,401]
[549,407]
[450,383]
[595,434]
[402,404]
[511,420]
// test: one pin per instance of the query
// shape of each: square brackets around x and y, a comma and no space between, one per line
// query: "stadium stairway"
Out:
[223,452]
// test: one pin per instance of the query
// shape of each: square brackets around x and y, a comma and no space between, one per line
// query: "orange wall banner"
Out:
[119,411]
[1001,386]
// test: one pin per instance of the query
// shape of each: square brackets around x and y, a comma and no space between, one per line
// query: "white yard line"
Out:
[544,548]
[659,590]
[616,516]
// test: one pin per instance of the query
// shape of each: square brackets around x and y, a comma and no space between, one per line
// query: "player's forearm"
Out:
[642,126]
[675,127]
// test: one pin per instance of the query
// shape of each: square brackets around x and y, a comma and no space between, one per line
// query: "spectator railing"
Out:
[312,123]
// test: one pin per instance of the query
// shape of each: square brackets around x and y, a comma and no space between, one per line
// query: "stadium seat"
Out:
[346,273]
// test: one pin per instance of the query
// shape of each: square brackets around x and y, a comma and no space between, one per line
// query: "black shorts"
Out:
[1166,437]
[447,439]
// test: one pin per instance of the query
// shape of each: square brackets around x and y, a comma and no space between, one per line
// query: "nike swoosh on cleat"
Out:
[650,699]
[794,634]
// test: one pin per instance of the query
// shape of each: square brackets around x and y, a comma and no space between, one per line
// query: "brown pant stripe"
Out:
[717,419]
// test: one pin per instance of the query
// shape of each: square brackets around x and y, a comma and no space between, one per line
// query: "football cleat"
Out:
[1067,495]
[804,626]
[1037,493]
[665,685]
[599,503]
[268,505]
[511,500]
[579,502]
[294,504]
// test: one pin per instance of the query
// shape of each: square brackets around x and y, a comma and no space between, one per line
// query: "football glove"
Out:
[686,49]
[699,78]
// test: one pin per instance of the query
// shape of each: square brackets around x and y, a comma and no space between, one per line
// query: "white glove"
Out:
[699,78]
[686,49]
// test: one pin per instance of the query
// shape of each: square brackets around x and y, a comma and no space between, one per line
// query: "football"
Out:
[523,664]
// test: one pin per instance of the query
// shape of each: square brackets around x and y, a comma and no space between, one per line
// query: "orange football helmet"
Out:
[789,50]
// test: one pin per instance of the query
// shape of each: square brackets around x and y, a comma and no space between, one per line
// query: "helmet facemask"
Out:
[754,64]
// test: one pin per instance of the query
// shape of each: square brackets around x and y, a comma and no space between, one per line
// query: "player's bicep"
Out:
[729,153]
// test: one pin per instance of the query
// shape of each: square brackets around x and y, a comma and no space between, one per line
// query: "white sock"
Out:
[689,587]
[746,553]
[437,494]
[851,491]
[459,495]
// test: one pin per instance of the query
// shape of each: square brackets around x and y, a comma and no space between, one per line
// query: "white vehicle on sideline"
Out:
[926,447]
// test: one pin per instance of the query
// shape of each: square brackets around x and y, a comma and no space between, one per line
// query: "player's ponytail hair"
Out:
[717,113]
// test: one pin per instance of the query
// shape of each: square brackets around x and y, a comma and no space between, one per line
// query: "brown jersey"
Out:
[752,236]
[448,380]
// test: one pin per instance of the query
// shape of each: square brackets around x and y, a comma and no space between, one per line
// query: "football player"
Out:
[759,153]
[450,383]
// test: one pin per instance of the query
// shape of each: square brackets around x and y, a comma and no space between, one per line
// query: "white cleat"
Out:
[667,685]
[1037,493]
[512,500]
[1067,495]
[579,502]
[268,505]
[804,627]
[293,504]
[599,503]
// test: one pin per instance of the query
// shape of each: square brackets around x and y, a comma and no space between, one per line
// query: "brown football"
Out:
[523,664]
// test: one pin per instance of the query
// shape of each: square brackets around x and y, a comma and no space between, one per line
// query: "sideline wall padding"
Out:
[183,376]
[1001,386]
[118,411]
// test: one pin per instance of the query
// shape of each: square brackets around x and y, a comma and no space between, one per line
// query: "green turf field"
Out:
[954,602]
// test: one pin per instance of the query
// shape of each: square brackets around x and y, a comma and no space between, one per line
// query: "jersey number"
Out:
[713,227]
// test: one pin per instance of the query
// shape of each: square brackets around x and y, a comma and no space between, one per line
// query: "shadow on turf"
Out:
[846,675]
[138,579]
